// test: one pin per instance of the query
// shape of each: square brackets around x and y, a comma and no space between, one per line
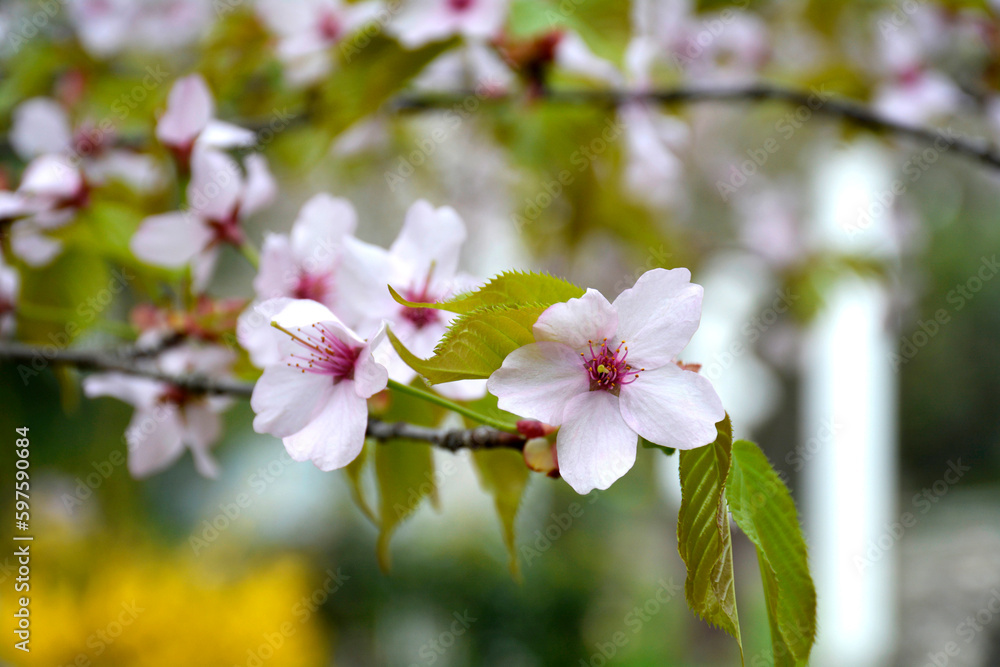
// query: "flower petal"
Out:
[39,126]
[577,322]
[322,223]
[155,439]
[278,273]
[52,177]
[538,381]
[216,184]
[370,377]
[260,187]
[672,407]
[189,108]
[595,446]
[137,391]
[170,239]
[256,335]
[219,134]
[365,270]
[658,316]
[286,399]
[202,428]
[429,236]
[336,435]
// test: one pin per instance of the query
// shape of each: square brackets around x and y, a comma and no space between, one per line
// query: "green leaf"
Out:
[764,511]
[510,288]
[703,536]
[405,473]
[354,470]
[646,444]
[504,475]
[476,343]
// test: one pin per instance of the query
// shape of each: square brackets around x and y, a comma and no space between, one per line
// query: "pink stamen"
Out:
[324,354]
[606,369]
[460,5]
[315,286]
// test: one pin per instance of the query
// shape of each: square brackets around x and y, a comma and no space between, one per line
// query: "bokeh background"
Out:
[851,326]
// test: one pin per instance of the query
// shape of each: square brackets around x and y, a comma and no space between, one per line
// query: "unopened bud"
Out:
[540,456]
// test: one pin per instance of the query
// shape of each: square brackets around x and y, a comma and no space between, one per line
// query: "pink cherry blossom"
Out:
[220,197]
[302,265]
[422,266]
[41,126]
[107,27]
[167,419]
[607,372]
[423,21]
[308,29]
[190,118]
[10,284]
[315,397]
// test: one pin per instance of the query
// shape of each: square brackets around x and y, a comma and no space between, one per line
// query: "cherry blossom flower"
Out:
[422,266]
[606,372]
[41,126]
[424,21]
[315,396]
[220,197]
[300,266]
[190,118]
[167,418]
[308,29]
[107,27]
[10,284]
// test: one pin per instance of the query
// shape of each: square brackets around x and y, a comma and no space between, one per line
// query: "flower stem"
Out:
[450,405]
[250,253]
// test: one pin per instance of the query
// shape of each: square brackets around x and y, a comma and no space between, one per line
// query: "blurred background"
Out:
[850,324]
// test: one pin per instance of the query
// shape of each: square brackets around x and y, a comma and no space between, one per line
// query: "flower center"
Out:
[323,353]
[420,317]
[460,5]
[315,286]
[329,27]
[607,368]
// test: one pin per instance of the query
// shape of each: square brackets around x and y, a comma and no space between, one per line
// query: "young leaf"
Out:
[511,288]
[405,473]
[476,343]
[504,474]
[764,511]
[703,536]
[354,470]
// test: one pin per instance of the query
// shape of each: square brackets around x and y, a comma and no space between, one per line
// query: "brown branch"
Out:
[32,359]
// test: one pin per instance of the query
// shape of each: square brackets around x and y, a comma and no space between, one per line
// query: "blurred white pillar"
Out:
[849,412]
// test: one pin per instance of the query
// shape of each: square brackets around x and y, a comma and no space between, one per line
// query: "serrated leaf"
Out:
[703,536]
[405,474]
[764,510]
[510,288]
[475,344]
[504,475]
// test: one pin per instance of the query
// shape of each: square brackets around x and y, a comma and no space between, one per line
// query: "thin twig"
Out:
[34,358]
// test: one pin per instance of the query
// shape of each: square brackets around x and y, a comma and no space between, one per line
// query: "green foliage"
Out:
[763,509]
[495,320]
[703,536]
[508,288]
[504,475]
[405,473]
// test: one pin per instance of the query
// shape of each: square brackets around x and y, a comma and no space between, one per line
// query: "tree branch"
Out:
[33,359]
[823,104]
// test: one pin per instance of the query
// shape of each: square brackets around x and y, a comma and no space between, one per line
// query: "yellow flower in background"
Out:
[122,605]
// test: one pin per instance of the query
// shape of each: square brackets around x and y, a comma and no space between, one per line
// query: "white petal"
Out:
[320,228]
[137,391]
[278,274]
[219,134]
[573,55]
[365,272]
[28,243]
[155,439]
[430,236]
[53,177]
[202,268]
[370,377]
[256,335]
[336,435]
[40,125]
[578,322]
[658,316]
[672,407]
[202,428]
[189,108]
[260,187]
[216,184]
[594,446]
[462,390]
[286,399]
[170,239]
[538,381]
